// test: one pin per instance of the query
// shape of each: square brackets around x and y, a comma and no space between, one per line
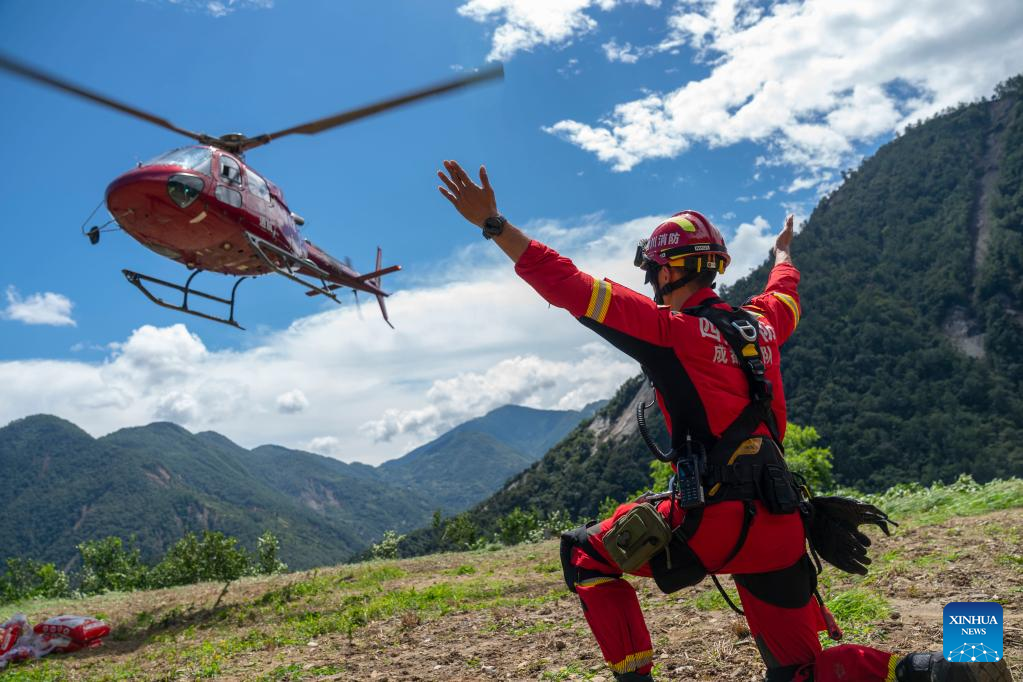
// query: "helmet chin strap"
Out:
[660,292]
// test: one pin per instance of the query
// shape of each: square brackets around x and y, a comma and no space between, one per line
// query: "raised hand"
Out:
[785,238]
[782,243]
[474,202]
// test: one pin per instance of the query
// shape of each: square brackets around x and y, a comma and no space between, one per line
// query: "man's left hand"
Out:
[474,202]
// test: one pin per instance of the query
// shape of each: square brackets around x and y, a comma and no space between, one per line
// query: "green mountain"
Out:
[472,460]
[906,357]
[157,482]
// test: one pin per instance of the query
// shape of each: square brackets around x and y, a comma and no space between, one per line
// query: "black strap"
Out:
[740,329]
[749,511]
[728,600]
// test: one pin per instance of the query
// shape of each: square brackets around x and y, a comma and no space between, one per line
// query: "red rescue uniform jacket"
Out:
[700,387]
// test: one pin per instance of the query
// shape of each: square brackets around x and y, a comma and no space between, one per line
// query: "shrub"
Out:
[461,532]
[108,565]
[806,458]
[191,560]
[387,548]
[267,560]
[28,579]
[518,526]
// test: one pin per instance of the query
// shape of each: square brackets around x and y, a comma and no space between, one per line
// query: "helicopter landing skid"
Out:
[291,262]
[186,291]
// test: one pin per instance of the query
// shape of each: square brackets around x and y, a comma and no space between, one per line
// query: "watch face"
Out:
[494,225]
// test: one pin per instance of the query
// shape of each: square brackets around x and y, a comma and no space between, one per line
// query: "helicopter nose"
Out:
[147,196]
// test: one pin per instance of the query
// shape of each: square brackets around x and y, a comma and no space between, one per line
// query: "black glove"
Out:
[835,535]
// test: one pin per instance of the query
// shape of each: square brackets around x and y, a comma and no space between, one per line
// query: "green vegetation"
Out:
[906,360]
[157,482]
[934,504]
[809,460]
[107,565]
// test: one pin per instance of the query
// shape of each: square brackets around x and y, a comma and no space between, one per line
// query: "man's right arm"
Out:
[600,304]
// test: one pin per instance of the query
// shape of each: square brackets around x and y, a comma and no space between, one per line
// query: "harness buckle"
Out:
[746,329]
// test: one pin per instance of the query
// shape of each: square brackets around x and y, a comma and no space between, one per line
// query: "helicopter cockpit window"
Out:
[257,186]
[229,170]
[192,158]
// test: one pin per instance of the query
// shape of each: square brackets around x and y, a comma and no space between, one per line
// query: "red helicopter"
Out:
[204,207]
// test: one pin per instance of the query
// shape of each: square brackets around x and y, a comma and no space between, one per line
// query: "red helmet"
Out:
[685,234]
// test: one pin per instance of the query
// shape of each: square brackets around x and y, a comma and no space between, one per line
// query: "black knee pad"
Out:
[580,537]
[789,588]
[676,566]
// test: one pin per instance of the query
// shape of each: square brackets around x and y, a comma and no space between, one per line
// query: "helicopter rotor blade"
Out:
[31,73]
[326,123]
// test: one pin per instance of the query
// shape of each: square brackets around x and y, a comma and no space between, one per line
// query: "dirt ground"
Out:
[506,615]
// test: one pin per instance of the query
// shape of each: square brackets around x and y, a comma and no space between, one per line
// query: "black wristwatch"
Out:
[493,226]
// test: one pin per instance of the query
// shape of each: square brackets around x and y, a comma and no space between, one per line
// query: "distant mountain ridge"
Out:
[63,486]
[472,460]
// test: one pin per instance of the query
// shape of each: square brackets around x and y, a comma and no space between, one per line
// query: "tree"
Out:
[28,579]
[191,560]
[807,459]
[517,526]
[460,532]
[267,560]
[387,548]
[108,565]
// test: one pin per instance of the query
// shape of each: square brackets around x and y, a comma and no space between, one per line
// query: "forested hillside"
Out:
[907,357]
[158,482]
[469,462]
[61,487]
[904,360]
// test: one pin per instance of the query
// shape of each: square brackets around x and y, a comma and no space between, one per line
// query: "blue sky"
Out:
[612,114]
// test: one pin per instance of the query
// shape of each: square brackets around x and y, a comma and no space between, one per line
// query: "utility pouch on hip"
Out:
[677,566]
[779,489]
[636,537]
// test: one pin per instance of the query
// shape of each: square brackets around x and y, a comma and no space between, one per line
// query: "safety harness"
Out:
[739,466]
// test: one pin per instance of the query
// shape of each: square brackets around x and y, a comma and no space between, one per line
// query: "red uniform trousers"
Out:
[786,636]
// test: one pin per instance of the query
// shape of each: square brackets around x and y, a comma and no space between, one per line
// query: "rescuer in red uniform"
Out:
[716,373]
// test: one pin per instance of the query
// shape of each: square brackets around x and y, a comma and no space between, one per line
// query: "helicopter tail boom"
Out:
[368,282]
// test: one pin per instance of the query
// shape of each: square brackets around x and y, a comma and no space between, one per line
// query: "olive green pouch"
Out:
[637,536]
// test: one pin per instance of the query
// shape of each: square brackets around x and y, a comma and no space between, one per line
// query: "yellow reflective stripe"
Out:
[593,582]
[607,303]
[892,662]
[593,298]
[632,661]
[790,303]
[600,300]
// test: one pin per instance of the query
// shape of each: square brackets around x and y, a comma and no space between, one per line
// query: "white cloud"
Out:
[454,355]
[809,79]
[325,445]
[626,54]
[748,248]
[521,380]
[525,24]
[45,308]
[220,8]
[291,402]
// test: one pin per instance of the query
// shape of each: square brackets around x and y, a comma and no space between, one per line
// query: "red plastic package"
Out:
[9,633]
[79,629]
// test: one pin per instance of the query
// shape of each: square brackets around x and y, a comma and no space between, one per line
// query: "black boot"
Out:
[932,667]
[633,677]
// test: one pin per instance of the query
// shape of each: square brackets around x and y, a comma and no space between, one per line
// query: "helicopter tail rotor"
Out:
[376,282]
